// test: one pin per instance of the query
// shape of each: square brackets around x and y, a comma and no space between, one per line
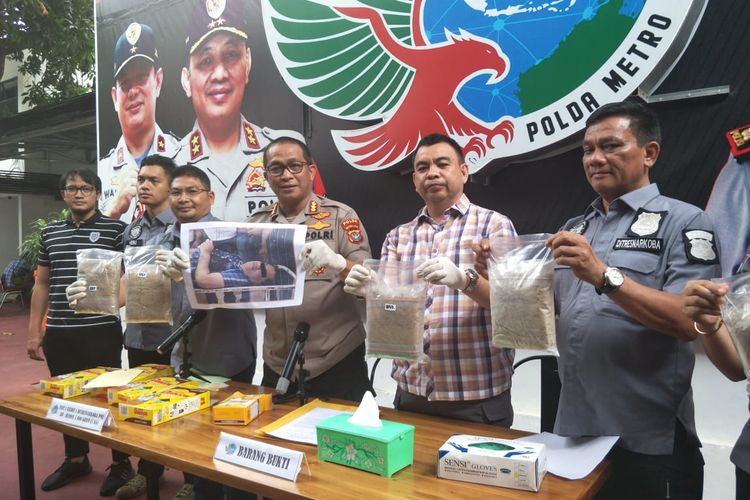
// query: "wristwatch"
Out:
[613,279]
[472,278]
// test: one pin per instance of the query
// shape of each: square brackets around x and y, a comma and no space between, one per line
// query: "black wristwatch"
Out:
[613,279]
[472,278]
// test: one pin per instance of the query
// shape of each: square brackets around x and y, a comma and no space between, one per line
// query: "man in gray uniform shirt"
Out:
[625,357]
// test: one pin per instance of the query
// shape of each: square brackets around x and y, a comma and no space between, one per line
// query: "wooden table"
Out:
[187,444]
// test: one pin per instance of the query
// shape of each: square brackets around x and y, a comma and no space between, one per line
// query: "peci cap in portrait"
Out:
[136,42]
[211,16]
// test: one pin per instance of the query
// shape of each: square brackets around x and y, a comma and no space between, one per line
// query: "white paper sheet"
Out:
[115,378]
[302,429]
[573,458]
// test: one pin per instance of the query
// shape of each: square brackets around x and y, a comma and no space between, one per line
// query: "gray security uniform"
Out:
[741,453]
[237,176]
[336,327]
[224,343]
[144,231]
[119,160]
[620,378]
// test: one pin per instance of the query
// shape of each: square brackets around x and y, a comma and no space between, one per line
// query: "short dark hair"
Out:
[167,164]
[306,154]
[190,171]
[87,175]
[432,139]
[643,121]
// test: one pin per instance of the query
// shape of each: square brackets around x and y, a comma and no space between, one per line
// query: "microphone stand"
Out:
[185,366]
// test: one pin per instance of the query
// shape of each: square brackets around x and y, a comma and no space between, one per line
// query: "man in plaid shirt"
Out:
[464,376]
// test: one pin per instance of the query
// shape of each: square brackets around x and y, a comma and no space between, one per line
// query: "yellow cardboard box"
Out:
[240,409]
[150,371]
[166,405]
[142,391]
[71,384]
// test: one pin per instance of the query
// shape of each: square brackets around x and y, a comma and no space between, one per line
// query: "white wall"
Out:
[9,222]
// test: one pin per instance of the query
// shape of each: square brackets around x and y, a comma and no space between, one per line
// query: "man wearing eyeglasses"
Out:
[223,142]
[224,343]
[336,240]
[138,82]
[73,342]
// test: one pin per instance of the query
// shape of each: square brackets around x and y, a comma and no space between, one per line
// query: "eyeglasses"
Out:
[277,169]
[72,190]
[189,192]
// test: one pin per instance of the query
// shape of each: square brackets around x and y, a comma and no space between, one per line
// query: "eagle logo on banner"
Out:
[503,78]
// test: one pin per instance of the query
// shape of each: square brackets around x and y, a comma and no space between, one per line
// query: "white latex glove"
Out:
[75,292]
[126,190]
[317,255]
[442,271]
[357,280]
[172,262]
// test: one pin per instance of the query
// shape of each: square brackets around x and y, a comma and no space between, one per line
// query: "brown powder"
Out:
[394,327]
[522,306]
[149,295]
[102,284]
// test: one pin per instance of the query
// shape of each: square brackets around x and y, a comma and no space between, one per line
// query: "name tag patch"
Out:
[651,245]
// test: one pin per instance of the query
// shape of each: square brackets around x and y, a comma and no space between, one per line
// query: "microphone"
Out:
[300,336]
[192,320]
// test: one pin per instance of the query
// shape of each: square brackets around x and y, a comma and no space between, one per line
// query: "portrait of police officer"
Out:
[137,84]
[223,142]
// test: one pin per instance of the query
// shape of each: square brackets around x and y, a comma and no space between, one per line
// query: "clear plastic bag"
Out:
[101,269]
[521,272]
[395,310]
[148,296]
[735,311]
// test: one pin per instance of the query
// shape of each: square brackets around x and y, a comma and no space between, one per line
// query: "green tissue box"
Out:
[383,451]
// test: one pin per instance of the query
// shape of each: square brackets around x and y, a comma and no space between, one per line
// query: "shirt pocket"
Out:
[641,267]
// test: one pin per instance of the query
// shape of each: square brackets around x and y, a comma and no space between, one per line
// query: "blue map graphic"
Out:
[527,31]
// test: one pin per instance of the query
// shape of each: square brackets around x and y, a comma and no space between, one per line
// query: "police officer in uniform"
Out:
[336,240]
[625,358]
[138,82]
[223,143]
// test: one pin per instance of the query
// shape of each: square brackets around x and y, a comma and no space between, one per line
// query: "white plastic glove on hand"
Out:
[75,292]
[357,279]
[172,262]
[317,255]
[442,271]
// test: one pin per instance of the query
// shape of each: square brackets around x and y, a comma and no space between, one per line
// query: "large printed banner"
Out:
[221,78]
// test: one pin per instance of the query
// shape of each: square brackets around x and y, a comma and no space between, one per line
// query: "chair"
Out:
[550,382]
[6,294]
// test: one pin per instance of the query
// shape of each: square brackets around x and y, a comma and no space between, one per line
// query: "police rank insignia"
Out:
[321,215]
[120,156]
[700,246]
[250,137]
[256,181]
[646,223]
[313,207]
[353,230]
[196,145]
[161,145]
[579,228]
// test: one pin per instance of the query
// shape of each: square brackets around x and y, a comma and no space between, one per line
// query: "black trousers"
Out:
[71,349]
[347,379]
[494,411]
[677,476]
[743,484]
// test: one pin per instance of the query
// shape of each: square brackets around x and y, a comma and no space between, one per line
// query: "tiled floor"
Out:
[17,373]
